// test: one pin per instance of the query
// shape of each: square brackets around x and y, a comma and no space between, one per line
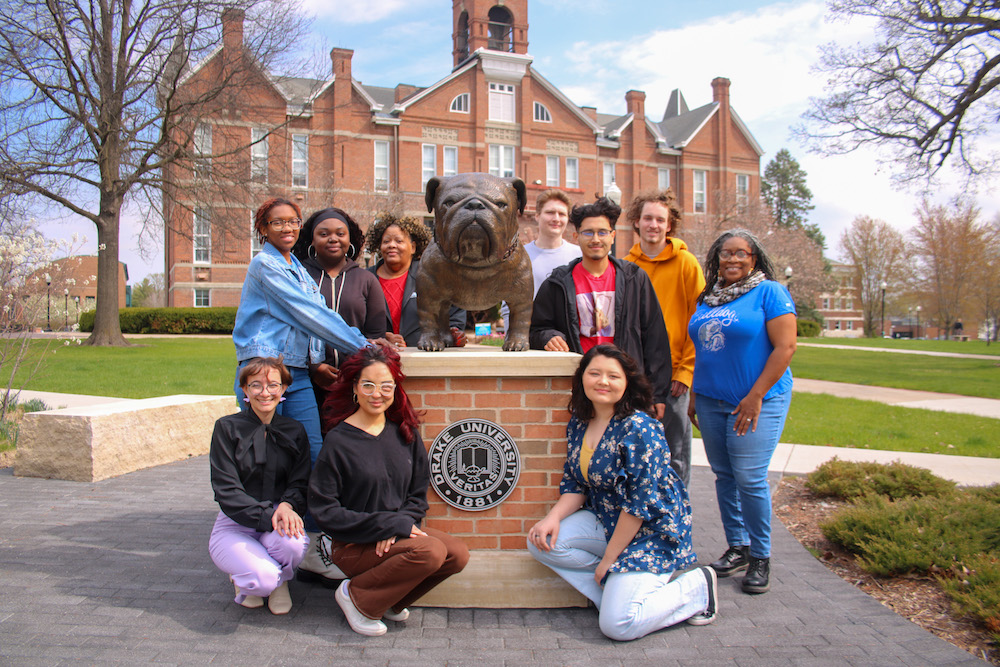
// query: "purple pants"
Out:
[256,562]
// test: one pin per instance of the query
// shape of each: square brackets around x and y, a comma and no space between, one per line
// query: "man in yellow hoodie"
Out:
[677,280]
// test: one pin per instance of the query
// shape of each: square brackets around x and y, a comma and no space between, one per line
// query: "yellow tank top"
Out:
[585,456]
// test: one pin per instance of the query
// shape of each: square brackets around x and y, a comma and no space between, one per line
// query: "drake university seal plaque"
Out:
[474,464]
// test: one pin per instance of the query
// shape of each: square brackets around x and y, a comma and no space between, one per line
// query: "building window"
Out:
[255,245]
[850,325]
[742,188]
[300,160]
[450,167]
[826,303]
[461,103]
[502,102]
[542,114]
[202,150]
[609,175]
[89,302]
[381,166]
[572,172]
[700,190]
[552,171]
[428,164]
[849,305]
[258,155]
[836,325]
[201,239]
[502,161]
[662,178]
[202,298]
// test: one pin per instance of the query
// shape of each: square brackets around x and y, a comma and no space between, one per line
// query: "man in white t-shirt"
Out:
[550,250]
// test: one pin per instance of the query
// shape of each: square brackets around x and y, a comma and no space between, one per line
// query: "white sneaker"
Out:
[399,617]
[360,623]
[317,567]
[279,601]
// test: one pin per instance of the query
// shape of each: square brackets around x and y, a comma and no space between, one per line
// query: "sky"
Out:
[596,50]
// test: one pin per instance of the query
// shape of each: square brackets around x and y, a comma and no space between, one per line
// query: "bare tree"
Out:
[925,89]
[876,251]
[947,243]
[150,292]
[92,110]
[986,287]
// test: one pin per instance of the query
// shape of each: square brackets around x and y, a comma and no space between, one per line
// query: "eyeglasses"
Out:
[601,233]
[369,388]
[291,223]
[738,254]
[258,388]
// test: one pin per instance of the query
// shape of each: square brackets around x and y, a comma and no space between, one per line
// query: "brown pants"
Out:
[412,567]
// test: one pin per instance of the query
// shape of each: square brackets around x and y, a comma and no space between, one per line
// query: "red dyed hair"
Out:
[340,405]
[260,217]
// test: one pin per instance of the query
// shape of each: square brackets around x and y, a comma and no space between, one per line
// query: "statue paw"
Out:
[433,342]
[515,343]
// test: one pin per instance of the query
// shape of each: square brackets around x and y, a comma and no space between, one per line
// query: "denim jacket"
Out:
[282,313]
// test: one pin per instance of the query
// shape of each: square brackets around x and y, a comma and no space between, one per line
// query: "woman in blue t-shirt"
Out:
[744,335]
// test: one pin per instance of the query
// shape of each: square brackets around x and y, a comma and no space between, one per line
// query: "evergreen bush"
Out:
[170,320]
[807,328]
[849,480]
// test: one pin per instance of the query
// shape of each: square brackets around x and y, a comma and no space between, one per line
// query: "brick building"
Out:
[66,287]
[841,307]
[369,148]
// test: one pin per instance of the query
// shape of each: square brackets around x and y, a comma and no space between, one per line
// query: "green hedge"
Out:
[807,328]
[170,320]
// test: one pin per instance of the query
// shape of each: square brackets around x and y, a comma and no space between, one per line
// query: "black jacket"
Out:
[409,321]
[639,328]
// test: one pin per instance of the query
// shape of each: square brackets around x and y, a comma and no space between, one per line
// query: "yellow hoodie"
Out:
[677,280]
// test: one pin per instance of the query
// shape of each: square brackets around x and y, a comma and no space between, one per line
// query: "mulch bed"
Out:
[917,598]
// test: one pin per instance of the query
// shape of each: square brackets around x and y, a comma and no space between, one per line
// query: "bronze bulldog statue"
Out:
[476,259]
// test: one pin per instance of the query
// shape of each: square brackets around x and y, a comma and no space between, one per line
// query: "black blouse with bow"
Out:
[257,466]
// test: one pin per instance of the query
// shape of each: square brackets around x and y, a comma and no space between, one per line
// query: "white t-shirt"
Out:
[545,260]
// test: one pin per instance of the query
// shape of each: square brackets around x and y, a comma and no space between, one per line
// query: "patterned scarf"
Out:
[720,295]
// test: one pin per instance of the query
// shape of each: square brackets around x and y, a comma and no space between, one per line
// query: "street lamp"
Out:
[77,299]
[614,193]
[48,298]
[66,298]
[788,278]
[884,285]
[918,321]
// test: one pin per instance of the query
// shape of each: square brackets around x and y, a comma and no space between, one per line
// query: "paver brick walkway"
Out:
[118,572]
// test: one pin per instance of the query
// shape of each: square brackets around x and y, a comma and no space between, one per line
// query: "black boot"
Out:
[734,560]
[758,576]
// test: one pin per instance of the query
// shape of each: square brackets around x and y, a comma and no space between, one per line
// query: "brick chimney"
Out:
[404,90]
[720,91]
[342,75]
[232,34]
[635,103]
[590,112]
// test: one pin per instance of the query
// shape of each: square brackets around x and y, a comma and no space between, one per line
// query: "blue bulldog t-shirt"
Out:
[732,346]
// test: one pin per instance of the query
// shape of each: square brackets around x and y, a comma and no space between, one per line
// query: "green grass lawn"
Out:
[953,346]
[152,367]
[969,377]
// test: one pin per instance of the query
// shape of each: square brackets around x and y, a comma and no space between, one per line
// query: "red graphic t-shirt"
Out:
[595,304]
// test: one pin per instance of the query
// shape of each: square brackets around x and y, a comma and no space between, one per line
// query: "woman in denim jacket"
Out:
[282,315]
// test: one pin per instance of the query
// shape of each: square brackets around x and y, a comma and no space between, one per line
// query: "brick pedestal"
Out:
[526,393]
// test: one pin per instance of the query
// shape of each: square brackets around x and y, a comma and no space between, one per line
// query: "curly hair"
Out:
[339,403]
[664,197]
[638,392]
[260,217]
[763,262]
[417,230]
[301,247]
[602,208]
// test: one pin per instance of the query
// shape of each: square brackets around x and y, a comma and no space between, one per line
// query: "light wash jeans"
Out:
[257,562]
[740,465]
[630,604]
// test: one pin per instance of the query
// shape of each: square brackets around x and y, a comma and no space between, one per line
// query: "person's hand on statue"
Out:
[557,344]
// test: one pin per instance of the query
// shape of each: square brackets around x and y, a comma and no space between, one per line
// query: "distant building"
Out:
[68,287]
[841,307]
[368,148]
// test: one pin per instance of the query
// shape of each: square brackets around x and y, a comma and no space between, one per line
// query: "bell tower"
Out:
[497,25]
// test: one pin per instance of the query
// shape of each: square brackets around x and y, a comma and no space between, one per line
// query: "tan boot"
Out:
[279,601]
[250,601]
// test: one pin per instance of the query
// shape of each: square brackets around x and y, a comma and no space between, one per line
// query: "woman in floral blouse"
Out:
[622,525]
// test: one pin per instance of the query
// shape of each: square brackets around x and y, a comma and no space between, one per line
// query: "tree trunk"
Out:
[107,328]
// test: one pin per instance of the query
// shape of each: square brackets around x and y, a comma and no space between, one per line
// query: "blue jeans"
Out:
[630,604]
[740,465]
[300,405]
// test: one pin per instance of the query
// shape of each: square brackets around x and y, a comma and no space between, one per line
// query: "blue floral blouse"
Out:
[630,470]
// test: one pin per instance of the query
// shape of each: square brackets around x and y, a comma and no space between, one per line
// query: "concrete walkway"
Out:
[929,353]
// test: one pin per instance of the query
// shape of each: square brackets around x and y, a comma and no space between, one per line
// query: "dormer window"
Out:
[542,114]
[461,103]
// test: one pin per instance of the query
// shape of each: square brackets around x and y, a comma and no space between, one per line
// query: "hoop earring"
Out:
[311,252]
[355,397]
[351,252]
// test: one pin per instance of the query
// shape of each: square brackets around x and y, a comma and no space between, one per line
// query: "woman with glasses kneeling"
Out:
[621,529]
[260,473]
[368,491]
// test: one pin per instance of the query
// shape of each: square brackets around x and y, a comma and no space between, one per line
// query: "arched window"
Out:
[501,29]
[542,114]
[462,37]
[461,103]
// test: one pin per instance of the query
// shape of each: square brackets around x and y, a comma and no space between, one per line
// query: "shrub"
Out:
[849,480]
[170,320]
[807,328]
[975,591]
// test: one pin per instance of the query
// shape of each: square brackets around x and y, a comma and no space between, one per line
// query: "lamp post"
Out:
[788,277]
[66,299]
[918,321]
[77,299]
[884,285]
[48,299]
